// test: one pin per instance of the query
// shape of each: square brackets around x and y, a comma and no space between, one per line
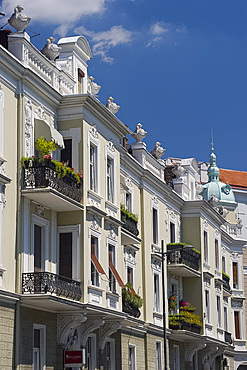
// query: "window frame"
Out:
[93,352]
[42,355]
[132,348]
[158,355]
[97,235]
[176,356]
[157,297]
[73,133]
[45,233]
[207,307]
[94,141]
[111,155]
[130,262]
[76,235]
[205,246]
[219,311]
[217,254]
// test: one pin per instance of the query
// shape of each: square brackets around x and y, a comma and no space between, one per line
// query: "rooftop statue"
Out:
[139,133]
[158,151]
[51,50]
[113,107]
[19,20]
[92,87]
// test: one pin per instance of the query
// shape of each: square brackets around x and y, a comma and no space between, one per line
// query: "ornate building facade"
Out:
[78,224]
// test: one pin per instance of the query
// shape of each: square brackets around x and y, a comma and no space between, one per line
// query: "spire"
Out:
[213,171]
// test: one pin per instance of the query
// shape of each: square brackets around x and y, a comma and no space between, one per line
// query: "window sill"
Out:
[155,248]
[111,208]
[113,294]
[95,287]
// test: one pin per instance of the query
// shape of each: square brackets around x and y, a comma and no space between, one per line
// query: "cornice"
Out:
[95,107]
[200,207]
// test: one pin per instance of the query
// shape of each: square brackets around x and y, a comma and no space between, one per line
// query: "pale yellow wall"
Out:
[9,212]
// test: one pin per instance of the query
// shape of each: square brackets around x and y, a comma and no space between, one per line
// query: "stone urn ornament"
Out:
[19,20]
[139,134]
[51,50]
[113,107]
[158,151]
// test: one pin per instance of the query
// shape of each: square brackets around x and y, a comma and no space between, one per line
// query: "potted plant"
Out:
[172,302]
[131,301]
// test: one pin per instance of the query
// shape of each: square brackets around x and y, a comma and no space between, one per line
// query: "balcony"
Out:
[183,262]
[178,323]
[226,283]
[131,310]
[45,185]
[130,231]
[47,282]
[228,337]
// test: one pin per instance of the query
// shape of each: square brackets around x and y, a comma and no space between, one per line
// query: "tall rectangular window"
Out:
[216,247]
[93,168]
[205,237]
[156,293]
[158,356]
[225,319]
[235,275]
[130,275]
[207,303]
[91,353]
[94,256]
[39,347]
[128,201]
[237,324]
[112,279]
[172,232]
[224,263]
[218,311]
[176,355]
[109,352]
[65,254]
[66,153]
[110,179]
[37,248]
[155,226]
[132,358]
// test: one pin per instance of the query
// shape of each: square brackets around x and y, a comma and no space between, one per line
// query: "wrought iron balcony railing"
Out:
[131,309]
[44,174]
[228,337]
[129,224]
[226,283]
[47,282]
[188,257]
[181,324]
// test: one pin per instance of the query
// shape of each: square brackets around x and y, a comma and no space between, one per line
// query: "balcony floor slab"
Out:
[183,270]
[52,199]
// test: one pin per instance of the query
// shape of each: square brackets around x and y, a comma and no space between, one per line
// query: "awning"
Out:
[42,128]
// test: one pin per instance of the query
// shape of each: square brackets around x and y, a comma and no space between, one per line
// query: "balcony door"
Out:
[38,248]
[68,262]
[40,244]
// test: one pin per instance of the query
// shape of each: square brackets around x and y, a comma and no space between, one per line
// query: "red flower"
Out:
[72,168]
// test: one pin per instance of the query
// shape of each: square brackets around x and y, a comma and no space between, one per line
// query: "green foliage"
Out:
[45,147]
[129,296]
[128,214]
[172,301]
[185,317]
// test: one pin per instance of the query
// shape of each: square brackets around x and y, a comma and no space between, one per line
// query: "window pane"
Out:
[205,246]
[110,195]
[172,232]
[66,153]
[155,226]
[93,168]
[235,274]
[65,254]
[37,248]
[236,322]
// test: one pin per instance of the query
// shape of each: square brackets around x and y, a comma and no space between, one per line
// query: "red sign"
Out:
[73,358]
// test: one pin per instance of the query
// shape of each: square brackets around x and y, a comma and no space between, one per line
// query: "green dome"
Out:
[215,188]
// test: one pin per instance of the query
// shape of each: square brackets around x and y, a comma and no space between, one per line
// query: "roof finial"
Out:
[212,141]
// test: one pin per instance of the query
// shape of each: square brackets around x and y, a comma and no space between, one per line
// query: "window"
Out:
[158,356]
[156,293]
[69,251]
[65,255]
[110,355]
[132,358]
[128,201]
[205,235]
[235,274]
[155,226]
[218,311]
[112,279]
[225,319]
[130,274]
[110,179]
[93,168]
[237,324]
[176,357]
[195,361]
[223,263]
[38,239]
[81,74]
[113,274]
[96,267]
[39,347]
[207,304]
[216,249]
[66,153]
[172,232]
[91,353]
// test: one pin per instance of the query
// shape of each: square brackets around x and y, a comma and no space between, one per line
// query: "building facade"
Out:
[82,222]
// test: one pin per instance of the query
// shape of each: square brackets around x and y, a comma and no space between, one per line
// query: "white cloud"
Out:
[106,40]
[165,32]
[57,12]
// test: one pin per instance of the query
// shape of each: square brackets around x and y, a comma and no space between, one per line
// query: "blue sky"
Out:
[178,67]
